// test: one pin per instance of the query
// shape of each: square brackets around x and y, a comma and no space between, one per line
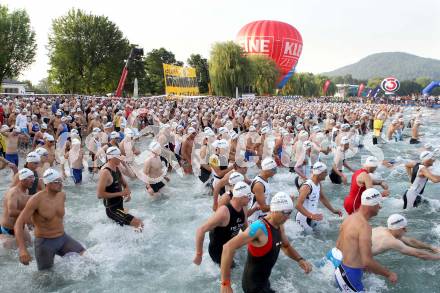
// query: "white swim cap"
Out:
[108,125]
[268,164]
[17,129]
[128,132]
[25,173]
[51,175]
[48,137]
[223,130]
[319,168]
[221,144]
[155,147]
[281,202]
[345,140]
[241,189]
[33,157]
[316,128]
[113,152]
[371,161]
[74,131]
[396,221]
[303,134]
[371,197]
[264,130]
[114,135]
[96,130]
[191,130]
[345,126]
[428,146]
[42,151]
[235,177]
[252,128]
[307,144]
[233,134]
[426,155]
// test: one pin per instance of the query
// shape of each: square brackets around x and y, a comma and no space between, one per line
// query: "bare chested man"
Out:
[46,209]
[354,241]
[13,137]
[14,202]
[392,238]
[153,169]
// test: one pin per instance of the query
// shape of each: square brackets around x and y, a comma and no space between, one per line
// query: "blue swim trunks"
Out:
[13,158]
[77,175]
[349,279]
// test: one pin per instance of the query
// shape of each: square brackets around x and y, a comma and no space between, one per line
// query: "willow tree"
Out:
[228,68]
[86,53]
[264,74]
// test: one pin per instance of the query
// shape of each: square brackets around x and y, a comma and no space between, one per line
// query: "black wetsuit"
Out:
[114,207]
[220,235]
[260,261]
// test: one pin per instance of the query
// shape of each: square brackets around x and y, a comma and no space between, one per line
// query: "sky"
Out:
[335,33]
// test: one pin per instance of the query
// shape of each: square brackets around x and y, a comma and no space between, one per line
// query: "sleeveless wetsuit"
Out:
[33,189]
[311,205]
[353,201]
[220,235]
[260,260]
[114,207]
[413,196]
[258,213]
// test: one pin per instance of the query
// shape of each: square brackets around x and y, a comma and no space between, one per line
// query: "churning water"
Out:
[160,258]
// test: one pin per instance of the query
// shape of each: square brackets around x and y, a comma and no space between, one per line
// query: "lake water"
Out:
[160,258]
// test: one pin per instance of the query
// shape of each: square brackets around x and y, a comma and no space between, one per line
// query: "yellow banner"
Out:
[180,80]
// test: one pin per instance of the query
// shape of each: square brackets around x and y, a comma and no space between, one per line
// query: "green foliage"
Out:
[374,82]
[401,65]
[154,68]
[202,69]
[263,74]
[308,85]
[17,42]
[86,53]
[228,68]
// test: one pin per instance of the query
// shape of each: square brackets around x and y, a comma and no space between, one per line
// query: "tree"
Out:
[263,74]
[154,67]
[202,69]
[409,87]
[86,53]
[17,42]
[228,68]
[374,82]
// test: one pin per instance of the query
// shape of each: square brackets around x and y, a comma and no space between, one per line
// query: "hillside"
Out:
[404,66]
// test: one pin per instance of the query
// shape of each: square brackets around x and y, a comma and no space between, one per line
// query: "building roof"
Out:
[11,81]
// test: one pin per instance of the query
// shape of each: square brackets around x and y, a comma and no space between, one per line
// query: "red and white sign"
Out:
[390,85]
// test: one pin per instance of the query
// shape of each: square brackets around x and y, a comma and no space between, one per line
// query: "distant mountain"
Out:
[401,65]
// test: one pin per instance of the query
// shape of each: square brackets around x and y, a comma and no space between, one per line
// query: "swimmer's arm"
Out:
[344,162]
[304,191]
[252,233]
[220,172]
[366,254]
[287,247]
[14,180]
[409,166]
[14,212]
[428,174]
[418,244]
[324,200]
[217,187]
[411,251]
[219,219]
[23,218]
[260,197]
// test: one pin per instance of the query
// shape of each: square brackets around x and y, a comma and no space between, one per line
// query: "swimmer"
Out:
[226,223]
[354,241]
[419,173]
[310,194]
[392,238]
[46,209]
[153,169]
[264,239]
[336,175]
[113,188]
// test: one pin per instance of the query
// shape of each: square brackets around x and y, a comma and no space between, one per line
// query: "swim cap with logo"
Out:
[33,157]
[319,168]
[396,221]
[268,164]
[307,144]
[51,175]
[281,202]
[371,161]
[25,173]
[371,197]
[114,135]
[235,177]
[221,144]
[426,155]
[42,151]
[155,147]
[241,189]
[113,152]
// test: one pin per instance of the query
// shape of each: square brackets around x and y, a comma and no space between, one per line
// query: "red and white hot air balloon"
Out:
[278,40]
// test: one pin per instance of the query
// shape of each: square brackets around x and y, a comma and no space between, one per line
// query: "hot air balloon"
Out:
[278,40]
